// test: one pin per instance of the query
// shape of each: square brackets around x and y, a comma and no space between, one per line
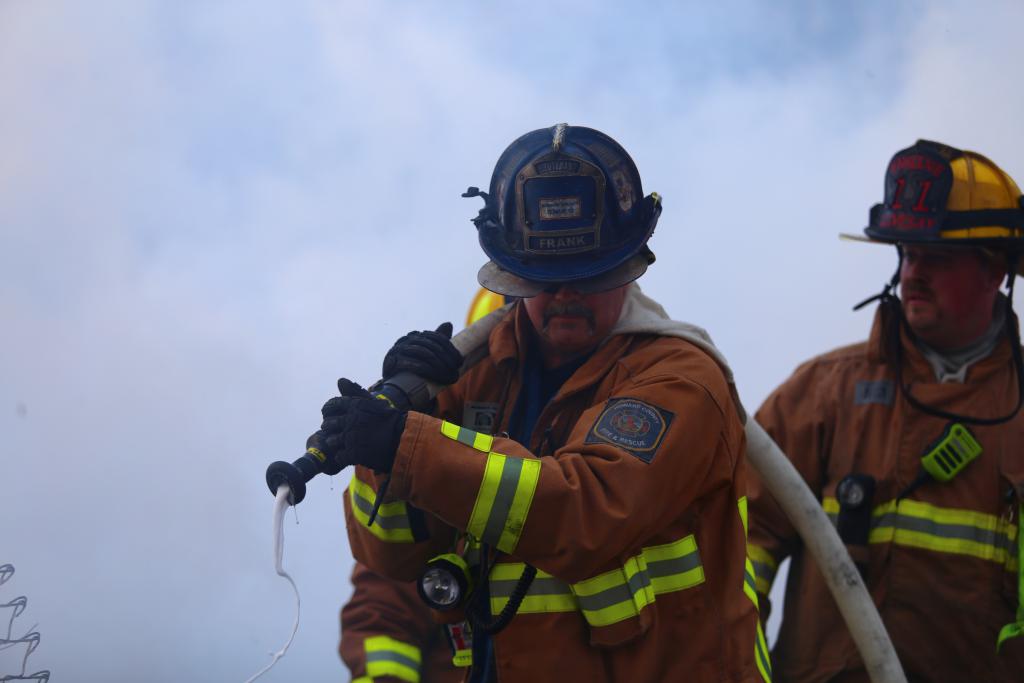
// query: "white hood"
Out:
[643,315]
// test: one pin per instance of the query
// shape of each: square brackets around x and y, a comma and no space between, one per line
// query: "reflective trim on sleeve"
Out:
[392,522]
[386,656]
[477,440]
[609,597]
[742,505]
[763,566]
[956,531]
[503,500]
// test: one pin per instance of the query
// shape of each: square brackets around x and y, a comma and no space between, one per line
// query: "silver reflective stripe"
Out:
[763,570]
[677,565]
[503,499]
[959,531]
[384,522]
[748,578]
[616,594]
[502,588]
[392,656]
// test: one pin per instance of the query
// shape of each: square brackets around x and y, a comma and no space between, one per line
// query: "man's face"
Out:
[948,293]
[568,323]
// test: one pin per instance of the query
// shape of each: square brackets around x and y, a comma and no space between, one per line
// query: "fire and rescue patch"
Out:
[480,416]
[634,426]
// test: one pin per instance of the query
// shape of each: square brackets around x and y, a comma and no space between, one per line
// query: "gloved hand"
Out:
[359,429]
[430,355]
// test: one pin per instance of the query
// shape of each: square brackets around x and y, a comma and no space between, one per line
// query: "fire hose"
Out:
[776,471]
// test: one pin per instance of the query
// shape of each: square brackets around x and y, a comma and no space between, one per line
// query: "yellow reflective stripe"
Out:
[362,679]
[750,581]
[984,231]
[463,658]
[546,593]
[674,566]
[764,567]
[915,524]
[762,656]
[615,595]
[621,593]
[950,530]
[831,505]
[392,522]
[479,441]
[611,596]
[386,656]
[395,508]
[503,500]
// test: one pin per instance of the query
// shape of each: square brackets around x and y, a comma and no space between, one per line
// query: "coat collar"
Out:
[916,367]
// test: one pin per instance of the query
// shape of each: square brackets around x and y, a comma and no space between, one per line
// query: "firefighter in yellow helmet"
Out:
[913,441]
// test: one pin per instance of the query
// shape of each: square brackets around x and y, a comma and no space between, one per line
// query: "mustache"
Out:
[572,308]
[915,289]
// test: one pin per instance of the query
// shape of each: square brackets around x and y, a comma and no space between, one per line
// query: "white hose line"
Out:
[280,507]
[821,539]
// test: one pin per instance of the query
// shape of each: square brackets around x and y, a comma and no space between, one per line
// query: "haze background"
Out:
[210,211]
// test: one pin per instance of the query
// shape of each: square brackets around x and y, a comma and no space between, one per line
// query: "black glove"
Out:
[430,355]
[359,429]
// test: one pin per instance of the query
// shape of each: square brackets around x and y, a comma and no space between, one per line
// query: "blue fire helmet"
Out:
[565,207]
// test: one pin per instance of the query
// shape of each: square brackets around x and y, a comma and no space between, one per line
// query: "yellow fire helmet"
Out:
[484,302]
[937,194]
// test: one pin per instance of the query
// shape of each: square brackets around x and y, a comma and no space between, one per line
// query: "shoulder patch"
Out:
[634,426]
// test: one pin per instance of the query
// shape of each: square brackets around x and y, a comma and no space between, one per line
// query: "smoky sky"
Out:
[211,211]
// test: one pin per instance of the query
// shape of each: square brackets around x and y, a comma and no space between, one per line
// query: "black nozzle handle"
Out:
[296,474]
[404,391]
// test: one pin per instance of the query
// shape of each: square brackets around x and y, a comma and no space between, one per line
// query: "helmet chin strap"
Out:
[893,313]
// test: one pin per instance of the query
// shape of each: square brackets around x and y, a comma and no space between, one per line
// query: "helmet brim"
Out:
[955,243]
[500,281]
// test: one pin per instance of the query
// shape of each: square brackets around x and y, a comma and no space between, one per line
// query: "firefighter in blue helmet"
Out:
[573,506]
